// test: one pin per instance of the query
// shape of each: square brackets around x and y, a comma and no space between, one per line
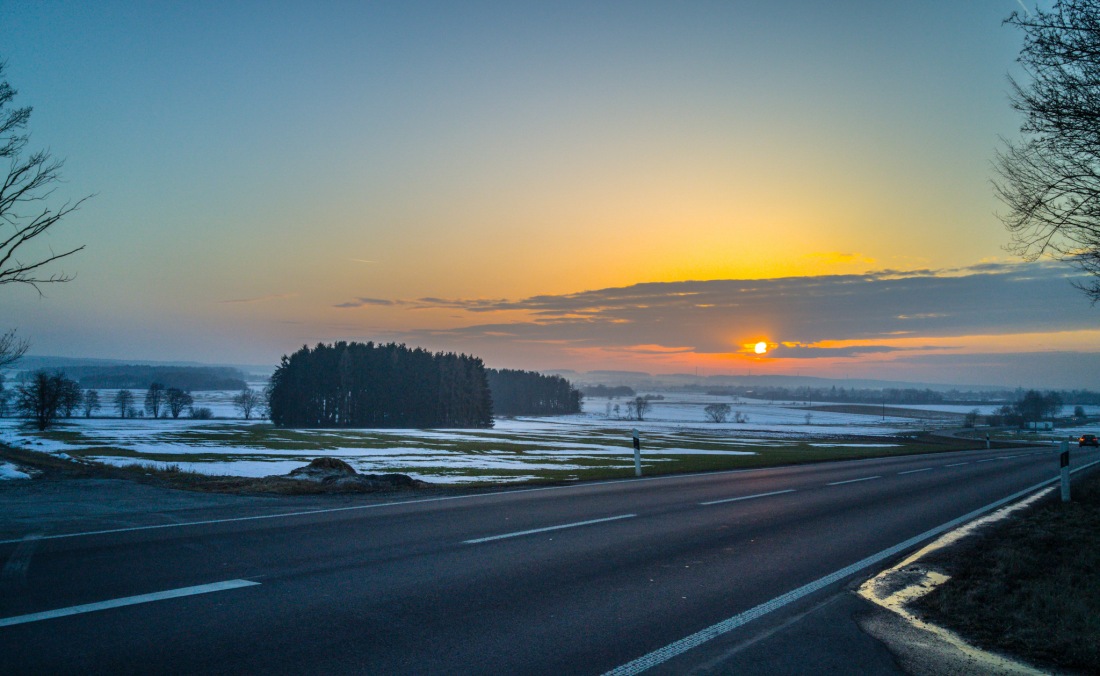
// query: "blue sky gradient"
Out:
[259,167]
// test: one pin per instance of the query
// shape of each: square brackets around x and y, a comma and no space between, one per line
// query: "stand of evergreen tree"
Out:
[531,393]
[368,385]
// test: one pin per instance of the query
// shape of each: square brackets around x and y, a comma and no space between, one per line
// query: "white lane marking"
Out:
[747,497]
[127,601]
[548,528]
[852,481]
[986,460]
[662,655]
[914,471]
[958,464]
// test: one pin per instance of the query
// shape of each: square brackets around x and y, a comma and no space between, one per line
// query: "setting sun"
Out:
[761,347]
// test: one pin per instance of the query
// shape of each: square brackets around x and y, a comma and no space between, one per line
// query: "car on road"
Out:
[1088,440]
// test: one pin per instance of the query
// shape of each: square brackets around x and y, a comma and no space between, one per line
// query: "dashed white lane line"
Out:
[546,529]
[852,481]
[958,464]
[914,471]
[747,497]
[127,601]
[986,460]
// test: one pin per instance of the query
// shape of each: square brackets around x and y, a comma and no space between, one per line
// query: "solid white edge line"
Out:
[127,601]
[852,481]
[747,497]
[548,528]
[914,471]
[662,655]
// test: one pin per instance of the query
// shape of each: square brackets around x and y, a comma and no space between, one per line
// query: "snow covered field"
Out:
[514,450]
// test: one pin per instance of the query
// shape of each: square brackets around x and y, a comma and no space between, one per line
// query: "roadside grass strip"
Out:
[676,648]
[547,529]
[127,601]
[747,497]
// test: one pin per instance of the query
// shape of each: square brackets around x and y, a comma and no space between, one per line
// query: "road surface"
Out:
[620,577]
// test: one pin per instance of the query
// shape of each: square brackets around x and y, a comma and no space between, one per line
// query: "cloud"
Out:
[787,351]
[260,299]
[364,302]
[874,317]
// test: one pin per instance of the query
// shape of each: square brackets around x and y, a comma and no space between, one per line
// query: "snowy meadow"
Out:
[676,436]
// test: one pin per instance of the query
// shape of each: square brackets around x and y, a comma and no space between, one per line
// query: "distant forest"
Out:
[531,393]
[369,385]
[186,378]
[607,391]
[892,396]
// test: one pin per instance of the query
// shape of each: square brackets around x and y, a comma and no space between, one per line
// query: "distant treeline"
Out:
[368,385]
[895,396]
[605,391]
[531,393]
[186,378]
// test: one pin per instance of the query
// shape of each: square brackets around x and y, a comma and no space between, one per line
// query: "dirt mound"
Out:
[324,467]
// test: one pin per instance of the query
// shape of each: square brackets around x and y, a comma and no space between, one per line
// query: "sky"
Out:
[638,186]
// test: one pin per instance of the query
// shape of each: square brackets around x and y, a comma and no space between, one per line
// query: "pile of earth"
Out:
[338,474]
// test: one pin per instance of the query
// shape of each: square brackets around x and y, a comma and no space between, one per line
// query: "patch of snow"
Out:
[10,471]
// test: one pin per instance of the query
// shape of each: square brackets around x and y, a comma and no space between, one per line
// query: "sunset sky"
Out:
[594,185]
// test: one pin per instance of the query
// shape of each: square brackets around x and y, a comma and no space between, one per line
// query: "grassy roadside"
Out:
[1028,586]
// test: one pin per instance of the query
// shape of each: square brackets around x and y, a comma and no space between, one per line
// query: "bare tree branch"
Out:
[25,192]
[1050,180]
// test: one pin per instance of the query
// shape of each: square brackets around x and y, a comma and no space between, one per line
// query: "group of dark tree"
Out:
[531,393]
[369,385]
[160,401]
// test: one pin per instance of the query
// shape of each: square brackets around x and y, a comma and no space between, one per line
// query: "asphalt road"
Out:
[584,579]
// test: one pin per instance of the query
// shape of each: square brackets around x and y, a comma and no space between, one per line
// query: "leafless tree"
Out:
[11,348]
[154,399]
[638,407]
[124,401]
[246,401]
[1050,180]
[178,400]
[91,402]
[717,413]
[24,195]
[42,396]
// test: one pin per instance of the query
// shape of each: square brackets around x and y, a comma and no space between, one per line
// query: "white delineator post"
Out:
[637,453]
[1065,471]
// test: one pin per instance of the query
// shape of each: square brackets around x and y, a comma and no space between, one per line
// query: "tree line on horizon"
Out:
[531,393]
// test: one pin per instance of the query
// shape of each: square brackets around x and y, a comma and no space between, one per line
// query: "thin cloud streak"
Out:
[259,299]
